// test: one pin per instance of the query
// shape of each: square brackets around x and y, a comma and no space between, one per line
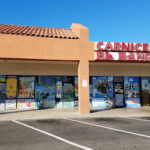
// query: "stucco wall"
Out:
[119,69]
[8,67]
[28,47]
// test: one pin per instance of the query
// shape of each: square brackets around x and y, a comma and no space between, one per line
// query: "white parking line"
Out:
[54,136]
[134,119]
[109,128]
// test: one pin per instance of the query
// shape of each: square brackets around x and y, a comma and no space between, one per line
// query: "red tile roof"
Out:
[37,31]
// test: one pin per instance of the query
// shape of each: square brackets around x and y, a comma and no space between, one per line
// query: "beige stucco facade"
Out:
[29,55]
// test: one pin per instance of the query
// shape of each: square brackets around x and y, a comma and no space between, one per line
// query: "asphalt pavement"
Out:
[66,133]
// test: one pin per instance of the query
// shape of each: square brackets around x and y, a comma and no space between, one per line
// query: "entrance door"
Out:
[145,91]
[119,91]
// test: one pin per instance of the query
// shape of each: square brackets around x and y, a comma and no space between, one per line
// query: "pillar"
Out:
[83,84]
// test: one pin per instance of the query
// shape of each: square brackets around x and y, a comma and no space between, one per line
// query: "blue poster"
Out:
[46,91]
[110,92]
[131,91]
[99,86]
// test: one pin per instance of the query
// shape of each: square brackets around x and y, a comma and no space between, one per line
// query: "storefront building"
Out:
[60,68]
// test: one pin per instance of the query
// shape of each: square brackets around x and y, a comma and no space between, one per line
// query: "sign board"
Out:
[117,51]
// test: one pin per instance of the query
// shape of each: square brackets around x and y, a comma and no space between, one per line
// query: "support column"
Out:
[83,84]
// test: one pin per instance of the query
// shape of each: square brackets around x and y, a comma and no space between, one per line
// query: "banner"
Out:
[25,104]
[132,94]
[11,87]
[26,87]
[10,104]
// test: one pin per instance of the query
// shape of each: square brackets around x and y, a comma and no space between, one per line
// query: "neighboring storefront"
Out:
[38,92]
[44,68]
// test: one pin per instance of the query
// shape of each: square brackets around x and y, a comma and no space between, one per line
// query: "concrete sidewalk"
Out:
[58,113]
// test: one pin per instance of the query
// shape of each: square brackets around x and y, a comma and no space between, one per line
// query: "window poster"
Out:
[2,91]
[45,92]
[119,91]
[131,91]
[26,104]
[144,84]
[99,85]
[145,87]
[11,87]
[2,78]
[76,102]
[58,89]
[76,86]
[110,92]
[26,87]
[2,95]
[10,104]
[68,96]
[91,94]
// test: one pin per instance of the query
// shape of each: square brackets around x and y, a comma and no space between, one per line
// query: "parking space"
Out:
[113,133]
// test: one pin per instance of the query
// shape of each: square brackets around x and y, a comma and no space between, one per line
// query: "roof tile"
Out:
[37,31]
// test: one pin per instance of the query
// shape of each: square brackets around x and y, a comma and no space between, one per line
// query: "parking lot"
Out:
[115,133]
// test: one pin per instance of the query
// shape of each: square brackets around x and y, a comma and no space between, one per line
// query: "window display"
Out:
[11,87]
[131,91]
[99,86]
[119,91]
[26,87]
[45,91]
[145,82]
[68,91]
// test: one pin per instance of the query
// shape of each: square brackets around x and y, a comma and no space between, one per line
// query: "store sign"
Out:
[122,51]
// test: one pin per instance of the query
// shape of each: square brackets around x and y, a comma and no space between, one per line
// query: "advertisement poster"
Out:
[132,94]
[11,87]
[144,84]
[45,92]
[26,87]
[76,87]
[2,78]
[25,104]
[110,92]
[119,91]
[2,91]
[91,94]
[58,89]
[10,104]
[119,100]
[99,85]
[2,104]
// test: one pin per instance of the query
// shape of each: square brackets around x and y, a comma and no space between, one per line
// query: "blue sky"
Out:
[107,20]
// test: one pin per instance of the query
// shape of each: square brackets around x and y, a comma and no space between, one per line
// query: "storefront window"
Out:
[131,91]
[26,93]
[145,82]
[119,91]
[45,91]
[102,91]
[68,91]
[2,92]
[11,92]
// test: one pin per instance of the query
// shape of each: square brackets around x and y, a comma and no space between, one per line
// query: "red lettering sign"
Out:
[99,45]
[127,47]
[108,46]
